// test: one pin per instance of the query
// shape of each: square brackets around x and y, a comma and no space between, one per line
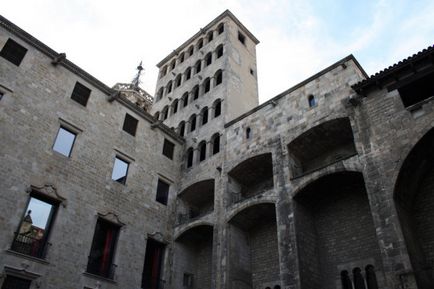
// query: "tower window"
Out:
[130,124]
[202,151]
[221,28]
[178,81]
[205,115]
[219,51]
[248,133]
[168,148]
[64,141]
[185,99]
[208,59]
[217,108]
[13,52]
[191,51]
[200,44]
[207,85]
[312,100]
[210,36]
[182,128]
[241,38]
[162,192]
[193,122]
[196,92]
[120,170]
[218,77]
[197,66]
[175,106]
[189,157]
[215,144]
[181,58]
[188,74]
[80,94]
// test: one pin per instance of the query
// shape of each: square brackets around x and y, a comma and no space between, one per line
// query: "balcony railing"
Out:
[28,245]
[96,267]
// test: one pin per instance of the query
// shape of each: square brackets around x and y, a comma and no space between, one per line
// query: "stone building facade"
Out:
[330,184]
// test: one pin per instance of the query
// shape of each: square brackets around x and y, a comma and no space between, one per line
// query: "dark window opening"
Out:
[178,81]
[130,124]
[153,267]
[216,144]
[221,28]
[13,282]
[312,101]
[64,141]
[169,87]
[182,129]
[103,248]
[181,58]
[359,283]
[248,132]
[418,90]
[204,116]
[157,115]
[187,281]
[200,44]
[210,36]
[162,192]
[207,85]
[163,71]
[32,236]
[189,157]
[160,94]
[80,94]
[371,278]
[13,52]
[218,78]
[345,280]
[1,95]
[241,38]
[208,59]
[193,123]
[202,151]
[120,170]
[168,149]
[191,51]
[185,99]
[188,74]
[175,106]
[196,92]
[165,112]
[252,72]
[220,51]
[198,66]
[172,65]
[217,109]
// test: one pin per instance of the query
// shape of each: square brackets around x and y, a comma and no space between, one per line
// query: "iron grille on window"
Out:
[13,52]
[80,94]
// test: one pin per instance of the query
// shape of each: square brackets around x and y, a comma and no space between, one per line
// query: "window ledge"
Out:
[99,278]
[31,258]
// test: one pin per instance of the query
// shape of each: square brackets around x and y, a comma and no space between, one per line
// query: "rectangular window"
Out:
[1,95]
[103,249]
[241,38]
[162,192]
[13,52]
[31,238]
[64,141]
[130,124]
[120,170]
[168,148]
[188,280]
[13,282]
[80,94]
[152,269]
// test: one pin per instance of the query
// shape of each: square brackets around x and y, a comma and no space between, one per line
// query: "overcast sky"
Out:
[298,38]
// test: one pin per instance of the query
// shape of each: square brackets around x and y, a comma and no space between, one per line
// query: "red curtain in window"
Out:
[155,275]
[105,260]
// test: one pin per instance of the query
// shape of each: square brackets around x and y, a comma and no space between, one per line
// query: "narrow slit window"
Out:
[217,108]
[204,115]
[216,144]
[193,123]
[312,101]
[130,124]
[64,141]
[202,151]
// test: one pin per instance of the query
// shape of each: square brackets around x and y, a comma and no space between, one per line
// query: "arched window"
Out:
[210,36]
[181,128]
[202,150]
[160,94]
[189,157]
[181,57]
[220,28]
[190,50]
[359,283]
[184,99]
[371,278]
[175,106]
[204,114]
[218,77]
[200,44]
[277,287]
[217,107]
[163,71]
[178,81]
[165,112]
[172,64]
[312,100]
[345,280]
[208,59]
[248,133]
[206,85]
[219,51]
[187,73]
[157,115]
[197,67]
[169,87]
[192,122]
[215,143]
[196,92]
